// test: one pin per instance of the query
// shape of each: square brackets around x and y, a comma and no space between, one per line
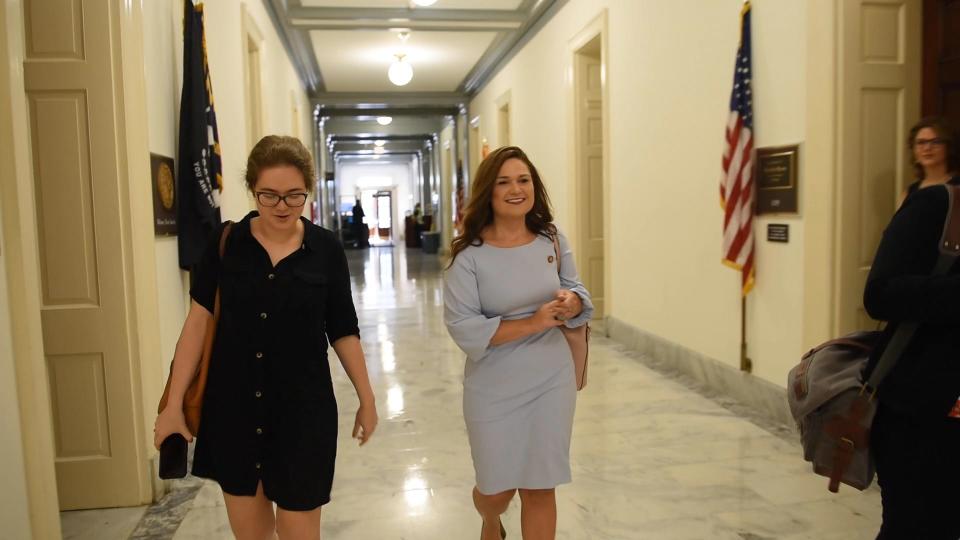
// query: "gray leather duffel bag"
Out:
[824,386]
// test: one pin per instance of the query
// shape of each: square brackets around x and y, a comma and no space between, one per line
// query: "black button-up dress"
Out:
[269,412]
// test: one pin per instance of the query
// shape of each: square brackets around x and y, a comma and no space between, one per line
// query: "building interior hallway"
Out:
[651,457]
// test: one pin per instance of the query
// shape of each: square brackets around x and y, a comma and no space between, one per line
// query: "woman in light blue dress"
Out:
[503,303]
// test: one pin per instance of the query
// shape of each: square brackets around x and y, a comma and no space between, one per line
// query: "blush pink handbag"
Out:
[577,338]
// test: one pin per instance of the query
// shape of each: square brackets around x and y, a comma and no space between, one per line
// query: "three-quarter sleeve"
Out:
[205,275]
[462,314]
[340,319]
[900,287]
[569,279]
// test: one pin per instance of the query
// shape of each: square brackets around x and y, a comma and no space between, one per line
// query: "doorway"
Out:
[879,99]
[86,212]
[590,140]
[941,60]
[382,230]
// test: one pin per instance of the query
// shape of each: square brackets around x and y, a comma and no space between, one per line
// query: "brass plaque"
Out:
[164,195]
[777,179]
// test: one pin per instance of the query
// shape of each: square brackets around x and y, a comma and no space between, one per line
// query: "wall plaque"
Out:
[164,195]
[778,232]
[777,179]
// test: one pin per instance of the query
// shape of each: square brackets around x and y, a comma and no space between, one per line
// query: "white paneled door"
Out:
[590,199]
[879,101]
[69,77]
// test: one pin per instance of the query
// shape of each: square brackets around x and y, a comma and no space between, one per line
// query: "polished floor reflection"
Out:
[652,459]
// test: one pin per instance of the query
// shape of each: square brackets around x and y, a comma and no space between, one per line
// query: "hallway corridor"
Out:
[652,459]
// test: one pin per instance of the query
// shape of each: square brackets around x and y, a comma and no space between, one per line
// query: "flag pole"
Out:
[746,365]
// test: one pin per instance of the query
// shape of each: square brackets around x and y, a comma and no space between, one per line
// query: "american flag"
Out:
[736,184]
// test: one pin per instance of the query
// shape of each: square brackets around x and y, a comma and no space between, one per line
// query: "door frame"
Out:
[21,263]
[390,194]
[599,26]
[849,121]
[19,244]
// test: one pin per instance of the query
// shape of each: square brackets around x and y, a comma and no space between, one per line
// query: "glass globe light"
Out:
[400,72]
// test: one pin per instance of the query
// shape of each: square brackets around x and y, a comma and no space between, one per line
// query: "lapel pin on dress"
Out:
[550,259]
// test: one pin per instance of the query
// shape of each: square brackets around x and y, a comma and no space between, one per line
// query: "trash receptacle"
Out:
[430,241]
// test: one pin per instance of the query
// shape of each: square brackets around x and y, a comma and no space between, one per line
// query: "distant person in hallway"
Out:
[915,436]
[360,230]
[268,432]
[933,153]
[503,304]
[417,224]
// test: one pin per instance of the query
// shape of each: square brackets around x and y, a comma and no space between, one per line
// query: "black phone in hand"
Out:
[173,457]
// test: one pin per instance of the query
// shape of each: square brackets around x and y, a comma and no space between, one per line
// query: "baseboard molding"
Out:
[763,397]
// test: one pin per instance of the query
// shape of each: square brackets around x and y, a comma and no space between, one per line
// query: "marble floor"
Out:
[651,458]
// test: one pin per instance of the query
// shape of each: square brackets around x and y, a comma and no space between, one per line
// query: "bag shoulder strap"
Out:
[556,248]
[950,241]
[223,237]
[949,250]
[216,299]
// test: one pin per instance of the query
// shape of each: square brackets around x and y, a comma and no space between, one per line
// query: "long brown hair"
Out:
[479,212]
[944,131]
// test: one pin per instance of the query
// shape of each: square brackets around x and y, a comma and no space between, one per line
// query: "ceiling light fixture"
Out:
[379,142]
[384,120]
[424,3]
[378,150]
[400,72]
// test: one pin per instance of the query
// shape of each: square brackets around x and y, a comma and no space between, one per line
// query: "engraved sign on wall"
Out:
[777,179]
[164,195]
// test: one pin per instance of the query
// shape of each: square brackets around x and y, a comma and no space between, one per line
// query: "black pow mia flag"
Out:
[199,178]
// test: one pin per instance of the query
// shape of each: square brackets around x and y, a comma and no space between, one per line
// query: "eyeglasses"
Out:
[926,143]
[293,200]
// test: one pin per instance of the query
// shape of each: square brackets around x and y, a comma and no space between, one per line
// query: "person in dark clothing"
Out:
[360,230]
[933,153]
[268,430]
[916,434]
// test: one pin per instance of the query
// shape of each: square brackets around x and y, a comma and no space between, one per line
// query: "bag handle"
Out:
[949,250]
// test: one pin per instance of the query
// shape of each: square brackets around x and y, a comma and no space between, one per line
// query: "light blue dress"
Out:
[518,397]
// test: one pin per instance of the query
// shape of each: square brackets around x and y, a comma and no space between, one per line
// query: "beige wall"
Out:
[163,57]
[279,80]
[669,76]
[14,510]
[28,502]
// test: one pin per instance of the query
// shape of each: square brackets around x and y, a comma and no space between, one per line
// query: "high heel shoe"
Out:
[503,532]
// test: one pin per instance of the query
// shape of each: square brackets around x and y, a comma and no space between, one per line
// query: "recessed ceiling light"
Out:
[379,143]
[384,120]
[378,150]
[424,3]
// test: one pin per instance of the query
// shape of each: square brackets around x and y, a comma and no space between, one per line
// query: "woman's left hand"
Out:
[570,302]
[365,424]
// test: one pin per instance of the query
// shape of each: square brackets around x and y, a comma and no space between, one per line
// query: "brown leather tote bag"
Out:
[577,338]
[193,398]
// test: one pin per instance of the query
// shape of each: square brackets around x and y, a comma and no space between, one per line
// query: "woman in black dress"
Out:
[268,432]
[915,436]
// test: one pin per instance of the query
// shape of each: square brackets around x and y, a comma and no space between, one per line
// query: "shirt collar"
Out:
[311,235]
